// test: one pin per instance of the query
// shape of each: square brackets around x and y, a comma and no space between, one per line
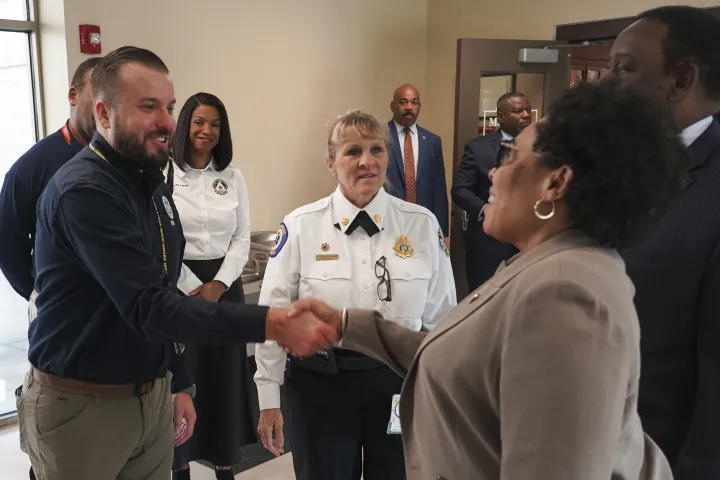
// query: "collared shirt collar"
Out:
[413,128]
[136,177]
[691,133]
[345,212]
[506,136]
[210,166]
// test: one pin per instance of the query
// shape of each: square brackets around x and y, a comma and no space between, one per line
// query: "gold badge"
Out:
[325,247]
[330,256]
[345,221]
[377,218]
[402,247]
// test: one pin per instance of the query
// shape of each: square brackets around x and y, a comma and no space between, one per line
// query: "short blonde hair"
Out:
[355,123]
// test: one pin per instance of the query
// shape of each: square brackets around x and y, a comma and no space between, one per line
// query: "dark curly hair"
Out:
[627,158]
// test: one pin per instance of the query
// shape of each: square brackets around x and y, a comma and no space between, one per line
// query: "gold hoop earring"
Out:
[540,215]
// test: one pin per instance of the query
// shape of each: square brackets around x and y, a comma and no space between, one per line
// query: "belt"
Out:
[91,389]
[331,361]
[351,360]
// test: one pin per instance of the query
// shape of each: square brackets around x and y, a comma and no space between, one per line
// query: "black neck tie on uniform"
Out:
[363,220]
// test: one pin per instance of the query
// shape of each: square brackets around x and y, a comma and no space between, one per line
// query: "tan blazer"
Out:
[534,376]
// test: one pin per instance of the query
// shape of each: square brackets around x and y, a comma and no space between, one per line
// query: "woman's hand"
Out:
[211,291]
[270,429]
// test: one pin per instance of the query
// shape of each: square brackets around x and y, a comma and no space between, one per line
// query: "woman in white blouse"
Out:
[212,200]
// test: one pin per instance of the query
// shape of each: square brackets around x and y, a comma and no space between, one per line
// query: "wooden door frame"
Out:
[602,29]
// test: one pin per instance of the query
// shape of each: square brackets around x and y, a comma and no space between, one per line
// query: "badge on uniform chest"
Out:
[220,187]
[325,247]
[403,247]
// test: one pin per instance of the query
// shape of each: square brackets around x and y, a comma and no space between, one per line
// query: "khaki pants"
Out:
[78,437]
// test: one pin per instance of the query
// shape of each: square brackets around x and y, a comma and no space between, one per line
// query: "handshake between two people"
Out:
[306,326]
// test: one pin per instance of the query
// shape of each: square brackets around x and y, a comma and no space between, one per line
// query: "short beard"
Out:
[136,154]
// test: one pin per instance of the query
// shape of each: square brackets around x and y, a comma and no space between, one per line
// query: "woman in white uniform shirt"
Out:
[358,247]
[212,200]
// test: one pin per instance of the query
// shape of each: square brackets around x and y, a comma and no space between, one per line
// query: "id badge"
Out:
[394,423]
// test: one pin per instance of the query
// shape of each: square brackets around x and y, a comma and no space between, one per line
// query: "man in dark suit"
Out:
[676,271]
[471,187]
[416,172]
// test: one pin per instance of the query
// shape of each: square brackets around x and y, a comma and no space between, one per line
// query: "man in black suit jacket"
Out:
[471,186]
[676,271]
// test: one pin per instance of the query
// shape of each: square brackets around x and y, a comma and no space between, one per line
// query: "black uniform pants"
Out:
[337,421]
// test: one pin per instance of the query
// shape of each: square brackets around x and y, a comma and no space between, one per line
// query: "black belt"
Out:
[337,359]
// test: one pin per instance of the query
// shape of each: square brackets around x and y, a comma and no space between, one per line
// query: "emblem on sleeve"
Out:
[403,248]
[280,239]
[441,240]
[220,187]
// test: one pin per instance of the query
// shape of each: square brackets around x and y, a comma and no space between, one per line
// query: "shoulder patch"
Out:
[441,240]
[280,239]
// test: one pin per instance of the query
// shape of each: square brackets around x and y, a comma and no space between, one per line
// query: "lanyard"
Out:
[66,133]
[157,212]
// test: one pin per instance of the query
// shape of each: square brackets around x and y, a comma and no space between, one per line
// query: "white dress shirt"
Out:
[422,284]
[415,142]
[215,216]
[506,136]
[691,133]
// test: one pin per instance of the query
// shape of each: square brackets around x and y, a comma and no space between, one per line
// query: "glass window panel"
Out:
[492,87]
[13,10]
[18,127]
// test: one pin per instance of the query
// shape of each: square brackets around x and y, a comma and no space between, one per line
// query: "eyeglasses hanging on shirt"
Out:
[383,274]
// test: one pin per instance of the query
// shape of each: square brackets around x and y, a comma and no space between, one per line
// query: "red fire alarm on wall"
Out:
[90,39]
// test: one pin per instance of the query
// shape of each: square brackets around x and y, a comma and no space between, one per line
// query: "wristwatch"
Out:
[344,318]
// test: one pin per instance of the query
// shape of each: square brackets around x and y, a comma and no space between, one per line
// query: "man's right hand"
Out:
[270,429]
[304,333]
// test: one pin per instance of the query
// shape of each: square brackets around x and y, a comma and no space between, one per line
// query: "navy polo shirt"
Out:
[108,311]
[24,183]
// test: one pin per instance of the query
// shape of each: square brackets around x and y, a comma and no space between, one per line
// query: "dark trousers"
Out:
[224,422]
[336,421]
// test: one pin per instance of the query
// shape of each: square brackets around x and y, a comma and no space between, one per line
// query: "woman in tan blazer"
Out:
[535,375]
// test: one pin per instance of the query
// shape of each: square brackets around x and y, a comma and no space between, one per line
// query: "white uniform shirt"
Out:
[422,284]
[414,139]
[215,216]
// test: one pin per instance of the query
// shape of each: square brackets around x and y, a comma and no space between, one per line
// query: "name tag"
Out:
[394,423]
[329,256]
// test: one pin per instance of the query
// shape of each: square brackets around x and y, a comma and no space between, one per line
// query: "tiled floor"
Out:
[14,465]
[13,344]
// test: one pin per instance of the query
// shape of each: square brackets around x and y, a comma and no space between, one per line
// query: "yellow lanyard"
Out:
[157,212]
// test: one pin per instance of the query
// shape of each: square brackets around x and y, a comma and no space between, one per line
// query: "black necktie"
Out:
[363,220]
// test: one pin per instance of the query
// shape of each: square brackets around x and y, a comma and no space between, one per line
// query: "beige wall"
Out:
[284,68]
[449,20]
